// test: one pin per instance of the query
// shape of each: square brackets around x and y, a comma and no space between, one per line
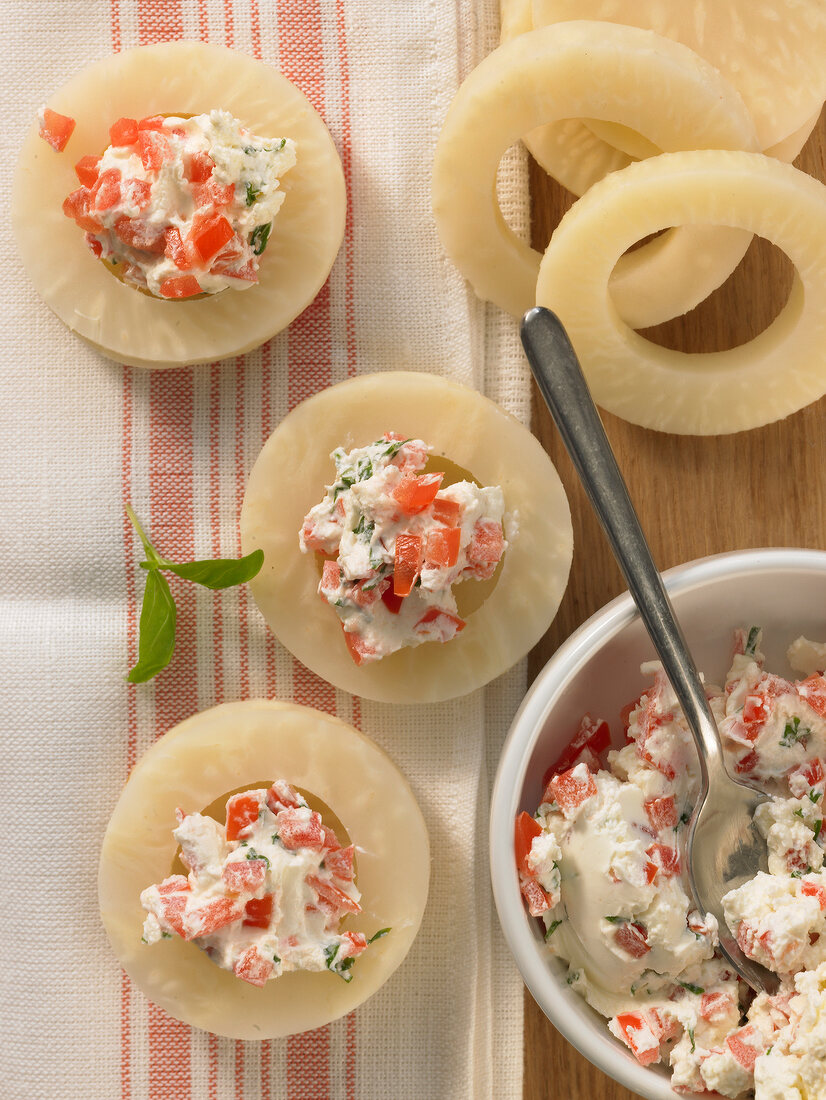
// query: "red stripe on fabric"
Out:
[357,712]
[239,1069]
[308,1065]
[170,1075]
[255,29]
[160,21]
[125,1039]
[203,21]
[266,1075]
[229,28]
[310,690]
[350,1057]
[310,350]
[114,10]
[170,448]
[301,48]
[212,1080]
[215,524]
[347,165]
[240,485]
[127,431]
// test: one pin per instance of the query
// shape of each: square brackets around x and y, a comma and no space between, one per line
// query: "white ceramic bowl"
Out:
[598,670]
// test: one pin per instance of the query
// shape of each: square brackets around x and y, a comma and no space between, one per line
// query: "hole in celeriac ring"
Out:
[217,810]
[470,594]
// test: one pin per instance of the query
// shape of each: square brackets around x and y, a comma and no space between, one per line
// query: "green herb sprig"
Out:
[158,620]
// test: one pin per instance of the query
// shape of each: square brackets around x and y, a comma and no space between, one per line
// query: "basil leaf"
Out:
[148,548]
[378,935]
[157,629]
[218,573]
[259,238]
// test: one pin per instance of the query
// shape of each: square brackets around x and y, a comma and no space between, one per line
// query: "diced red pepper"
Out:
[407,563]
[445,622]
[281,796]
[174,884]
[364,596]
[632,937]
[666,858]
[173,908]
[414,494]
[154,149]
[87,170]
[715,1006]
[179,252]
[331,843]
[637,1033]
[486,543]
[56,129]
[747,763]
[813,690]
[391,601]
[258,912]
[244,876]
[446,511]
[200,168]
[124,131]
[139,234]
[527,828]
[627,711]
[296,830]
[337,899]
[151,122]
[355,943]
[746,1045]
[242,811]
[570,790]
[211,917]
[442,547]
[76,205]
[662,812]
[650,871]
[136,192]
[357,647]
[180,286]
[94,245]
[330,576]
[209,235]
[814,890]
[594,734]
[340,863]
[252,967]
[813,772]
[755,712]
[212,193]
[538,901]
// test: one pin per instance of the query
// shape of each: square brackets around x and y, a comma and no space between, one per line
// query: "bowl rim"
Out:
[526,727]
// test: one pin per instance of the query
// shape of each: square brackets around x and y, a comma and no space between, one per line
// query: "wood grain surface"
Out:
[695,496]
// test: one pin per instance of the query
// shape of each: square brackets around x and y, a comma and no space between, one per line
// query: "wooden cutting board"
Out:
[695,496]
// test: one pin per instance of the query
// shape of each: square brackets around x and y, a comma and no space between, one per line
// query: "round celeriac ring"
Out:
[461,425]
[237,745]
[186,78]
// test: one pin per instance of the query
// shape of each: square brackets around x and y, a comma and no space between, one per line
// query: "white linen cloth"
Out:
[81,436]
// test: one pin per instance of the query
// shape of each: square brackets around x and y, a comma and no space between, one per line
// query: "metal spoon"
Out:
[724,848]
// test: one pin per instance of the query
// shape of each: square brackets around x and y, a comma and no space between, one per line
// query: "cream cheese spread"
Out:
[183,206]
[395,543]
[265,893]
[601,862]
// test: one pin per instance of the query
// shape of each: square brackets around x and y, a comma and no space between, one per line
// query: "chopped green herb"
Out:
[156,642]
[798,812]
[392,448]
[684,818]
[800,874]
[252,854]
[552,927]
[364,469]
[769,1049]
[259,238]
[253,193]
[276,958]
[378,935]
[794,733]
[698,989]
[166,935]
[814,796]
[691,1037]
[330,952]
[751,641]
[572,977]
[817,828]
[616,920]
[274,838]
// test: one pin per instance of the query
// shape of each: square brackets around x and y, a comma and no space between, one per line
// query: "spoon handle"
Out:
[560,379]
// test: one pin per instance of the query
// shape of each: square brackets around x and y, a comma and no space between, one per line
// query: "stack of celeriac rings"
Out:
[700,106]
